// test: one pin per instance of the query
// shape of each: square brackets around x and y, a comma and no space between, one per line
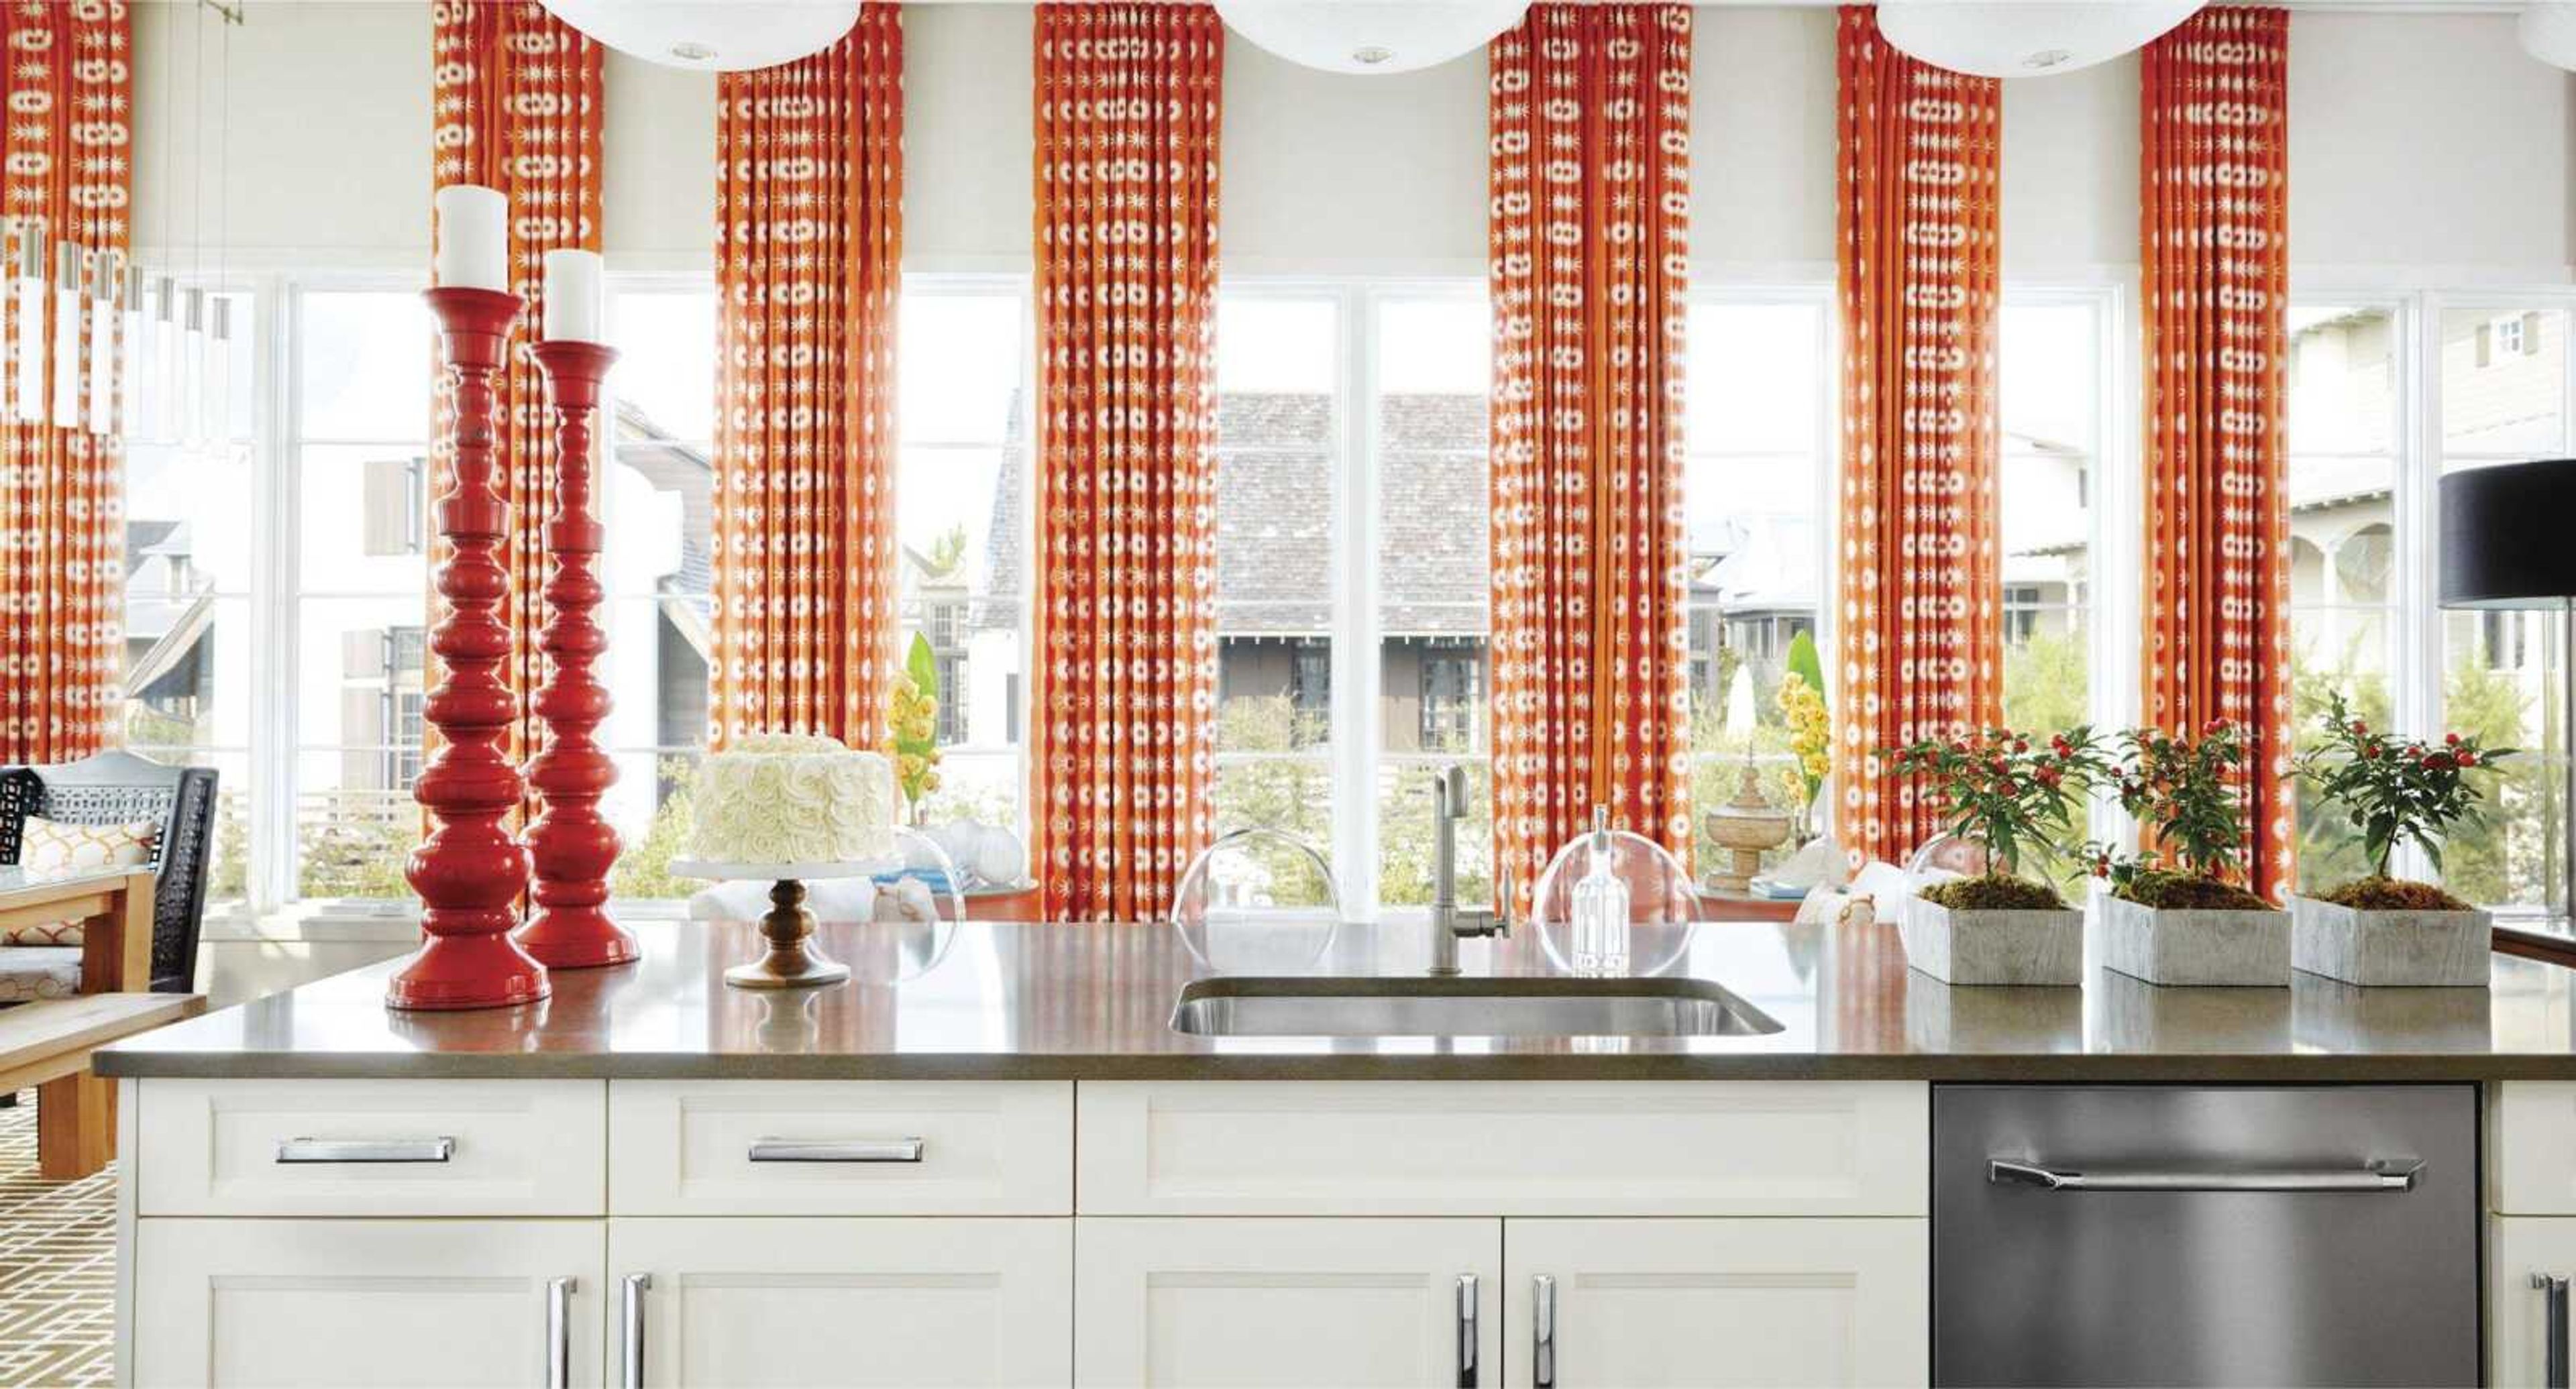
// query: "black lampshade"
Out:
[2509,535]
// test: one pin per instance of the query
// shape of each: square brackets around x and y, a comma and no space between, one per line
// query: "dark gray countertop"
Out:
[985,1001]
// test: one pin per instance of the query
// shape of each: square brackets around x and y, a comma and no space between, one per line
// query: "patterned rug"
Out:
[57,1266]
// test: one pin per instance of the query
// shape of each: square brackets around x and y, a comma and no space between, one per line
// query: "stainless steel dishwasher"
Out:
[2137,1235]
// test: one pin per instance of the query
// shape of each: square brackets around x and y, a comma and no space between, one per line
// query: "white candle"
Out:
[473,238]
[576,298]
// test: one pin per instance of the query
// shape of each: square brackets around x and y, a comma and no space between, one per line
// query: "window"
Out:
[1279,457]
[962,529]
[361,586]
[2341,430]
[190,681]
[1758,427]
[2504,399]
[2050,415]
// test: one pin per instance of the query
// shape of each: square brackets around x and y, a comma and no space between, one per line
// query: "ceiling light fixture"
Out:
[2548,32]
[1368,36]
[681,33]
[2024,38]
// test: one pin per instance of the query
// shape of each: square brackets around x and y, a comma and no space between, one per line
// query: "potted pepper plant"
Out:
[2012,797]
[2181,915]
[2381,929]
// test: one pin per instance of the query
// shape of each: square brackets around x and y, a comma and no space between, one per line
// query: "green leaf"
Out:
[1804,663]
[921,667]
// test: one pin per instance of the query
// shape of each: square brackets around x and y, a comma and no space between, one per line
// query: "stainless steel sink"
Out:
[1454,1007]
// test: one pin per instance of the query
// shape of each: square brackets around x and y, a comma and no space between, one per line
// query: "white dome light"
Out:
[2548,33]
[1370,36]
[712,35]
[2025,38]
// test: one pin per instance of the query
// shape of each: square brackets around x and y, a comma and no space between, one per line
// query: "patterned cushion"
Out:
[53,846]
[31,972]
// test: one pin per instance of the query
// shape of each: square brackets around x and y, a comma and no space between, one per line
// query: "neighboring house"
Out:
[169,621]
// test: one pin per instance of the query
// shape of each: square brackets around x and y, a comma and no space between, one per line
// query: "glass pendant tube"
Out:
[165,359]
[192,367]
[219,373]
[31,323]
[71,277]
[103,280]
[136,358]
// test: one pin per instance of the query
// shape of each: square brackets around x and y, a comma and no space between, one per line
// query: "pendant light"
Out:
[129,418]
[217,428]
[192,367]
[711,35]
[71,273]
[30,291]
[1370,36]
[2025,38]
[103,281]
[165,358]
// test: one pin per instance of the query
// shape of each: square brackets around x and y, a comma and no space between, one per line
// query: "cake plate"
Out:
[792,962]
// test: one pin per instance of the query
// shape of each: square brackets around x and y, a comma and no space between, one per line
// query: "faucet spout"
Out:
[1448,922]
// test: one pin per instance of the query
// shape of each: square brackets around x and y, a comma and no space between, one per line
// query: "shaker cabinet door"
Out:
[2532,1263]
[764,1303]
[1293,1303]
[445,1303]
[1641,1303]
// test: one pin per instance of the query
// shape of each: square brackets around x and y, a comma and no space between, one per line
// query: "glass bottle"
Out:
[1600,908]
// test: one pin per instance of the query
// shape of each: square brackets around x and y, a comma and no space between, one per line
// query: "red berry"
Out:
[2451,738]
[2467,758]
[2359,728]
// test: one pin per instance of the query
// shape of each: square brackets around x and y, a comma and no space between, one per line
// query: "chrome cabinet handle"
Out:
[827,1150]
[2553,1292]
[2374,1176]
[1543,1333]
[1466,1331]
[630,1313]
[294,1150]
[559,1333]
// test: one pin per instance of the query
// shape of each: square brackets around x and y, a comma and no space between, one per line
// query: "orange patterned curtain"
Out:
[1125,692]
[1916,265]
[516,107]
[809,261]
[67,146]
[1589,117]
[2213,200]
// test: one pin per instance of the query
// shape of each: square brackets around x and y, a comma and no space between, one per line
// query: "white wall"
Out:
[2423,147]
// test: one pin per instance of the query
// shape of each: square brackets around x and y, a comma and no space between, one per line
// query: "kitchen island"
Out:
[991,1158]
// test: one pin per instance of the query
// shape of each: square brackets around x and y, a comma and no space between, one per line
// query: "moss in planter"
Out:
[1993,892]
[2376,894]
[2169,891]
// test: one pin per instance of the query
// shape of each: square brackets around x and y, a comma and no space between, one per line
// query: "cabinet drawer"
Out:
[365,1147]
[1503,1148]
[2532,1148]
[841,1147]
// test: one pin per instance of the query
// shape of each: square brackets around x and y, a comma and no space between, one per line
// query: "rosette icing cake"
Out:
[793,798]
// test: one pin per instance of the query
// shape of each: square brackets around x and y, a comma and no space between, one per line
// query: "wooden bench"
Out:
[47,1043]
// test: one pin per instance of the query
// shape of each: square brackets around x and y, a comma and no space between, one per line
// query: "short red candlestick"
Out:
[573,847]
[470,872]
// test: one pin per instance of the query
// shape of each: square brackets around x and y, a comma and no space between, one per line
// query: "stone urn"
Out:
[1743,828]
[2165,945]
[2411,948]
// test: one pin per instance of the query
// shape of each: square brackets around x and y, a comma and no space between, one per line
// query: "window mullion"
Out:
[1356,663]
[278,547]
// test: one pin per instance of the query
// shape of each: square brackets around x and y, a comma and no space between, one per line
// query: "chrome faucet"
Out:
[1448,922]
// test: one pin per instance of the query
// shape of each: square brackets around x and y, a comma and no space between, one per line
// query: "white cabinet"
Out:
[1718,1302]
[2518,1314]
[754,1303]
[1293,1303]
[446,1303]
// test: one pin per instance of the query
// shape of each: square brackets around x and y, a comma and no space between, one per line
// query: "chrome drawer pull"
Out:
[365,1149]
[2375,1176]
[631,1314]
[2553,1294]
[851,1150]
[1466,1331]
[1543,1332]
[559,1333]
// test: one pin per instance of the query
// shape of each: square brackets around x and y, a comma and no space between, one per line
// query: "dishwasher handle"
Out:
[2553,1292]
[2385,1175]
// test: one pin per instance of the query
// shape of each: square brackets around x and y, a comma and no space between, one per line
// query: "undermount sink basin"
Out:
[1464,1007]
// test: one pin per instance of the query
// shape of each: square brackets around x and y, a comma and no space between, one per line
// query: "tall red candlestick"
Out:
[572,846]
[470,872]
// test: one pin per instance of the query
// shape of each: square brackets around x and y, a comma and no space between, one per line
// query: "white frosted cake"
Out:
[793,798]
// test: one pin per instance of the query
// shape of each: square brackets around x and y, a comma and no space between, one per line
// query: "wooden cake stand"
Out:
[792,962]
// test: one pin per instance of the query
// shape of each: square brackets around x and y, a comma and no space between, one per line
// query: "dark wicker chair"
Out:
[115,788]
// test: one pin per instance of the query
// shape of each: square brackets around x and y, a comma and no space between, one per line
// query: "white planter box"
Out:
[1993,947]
[2250,947]
[2391,947]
